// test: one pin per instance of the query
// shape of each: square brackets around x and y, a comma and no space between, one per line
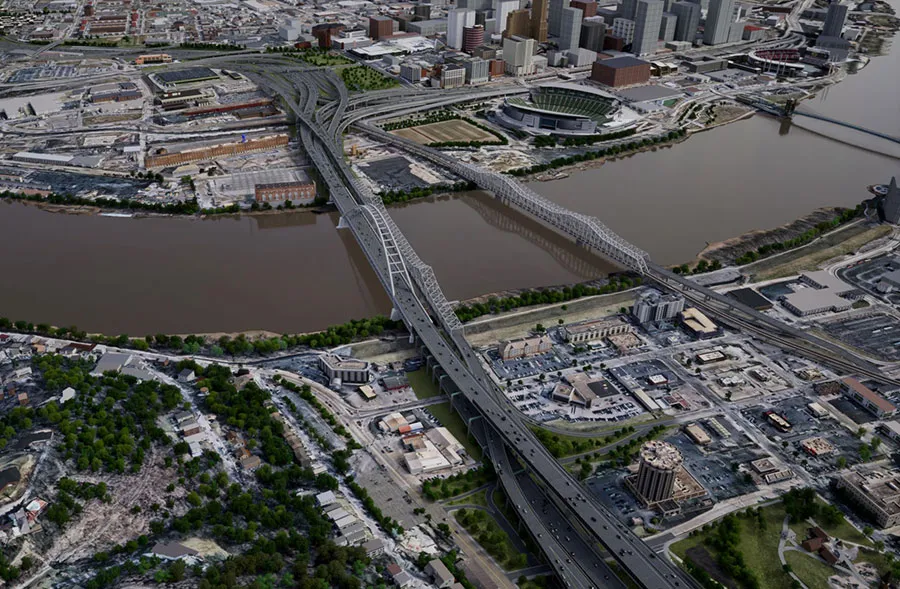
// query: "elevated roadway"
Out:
[418,300]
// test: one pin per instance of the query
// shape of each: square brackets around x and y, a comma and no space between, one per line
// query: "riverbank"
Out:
[729,251]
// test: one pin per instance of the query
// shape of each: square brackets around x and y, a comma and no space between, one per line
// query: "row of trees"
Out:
[701,267]
[560,447]
[491,537]
[398,196]
[434,116]
[181,207]
[543,297]
[237,346]
[614,150]
[592,139]
[444,488]
[763,251]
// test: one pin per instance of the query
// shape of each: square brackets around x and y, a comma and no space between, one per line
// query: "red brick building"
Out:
[380,27]
[621,71]
[279,192]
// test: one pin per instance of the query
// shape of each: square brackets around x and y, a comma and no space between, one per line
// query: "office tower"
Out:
[648,17]
[628,9]
[411,72]
[472,38]
[502,10]
[457,20]
[688,14]
[656,472]
[474,4]
[570,29]
[623,28]
[654,306]
[592,34]
[834,20]
[422,11]
[518,23]
[667,27]
[718,22]
[588,7]
[539,10]
[518,55]
[554,17]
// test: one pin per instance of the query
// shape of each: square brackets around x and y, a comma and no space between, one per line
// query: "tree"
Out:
[841,462]
[865,452]
[176,570]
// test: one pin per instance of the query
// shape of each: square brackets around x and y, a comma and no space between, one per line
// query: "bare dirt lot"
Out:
[445,131]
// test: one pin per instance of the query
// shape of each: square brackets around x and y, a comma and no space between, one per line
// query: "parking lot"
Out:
[803,426]
[875,333]
[866,275]
[549,363]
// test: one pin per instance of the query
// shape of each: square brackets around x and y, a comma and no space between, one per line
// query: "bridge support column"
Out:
[342,223]
[395,314]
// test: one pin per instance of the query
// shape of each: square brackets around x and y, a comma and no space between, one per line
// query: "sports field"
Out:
[446,131]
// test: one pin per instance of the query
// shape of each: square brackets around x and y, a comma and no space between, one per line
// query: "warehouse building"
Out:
[867,398]
[588,331]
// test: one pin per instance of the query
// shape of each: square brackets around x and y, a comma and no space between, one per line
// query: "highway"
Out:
[406,281]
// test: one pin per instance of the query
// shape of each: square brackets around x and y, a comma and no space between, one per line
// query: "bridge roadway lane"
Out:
[631,553]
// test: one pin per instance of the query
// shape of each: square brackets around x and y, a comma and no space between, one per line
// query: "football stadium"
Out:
[560,109]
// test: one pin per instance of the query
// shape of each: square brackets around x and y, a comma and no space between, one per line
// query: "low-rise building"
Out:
[817,446]
[297,192]
[698,324]
[588,331]
[524,347]
[697,434]
[621,71]
[867,398]
[344,369]
[440,574]
[877,490]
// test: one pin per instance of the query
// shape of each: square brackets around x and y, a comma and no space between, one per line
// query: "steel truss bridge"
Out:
[418,299]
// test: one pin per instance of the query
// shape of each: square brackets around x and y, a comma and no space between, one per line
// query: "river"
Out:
[296,272]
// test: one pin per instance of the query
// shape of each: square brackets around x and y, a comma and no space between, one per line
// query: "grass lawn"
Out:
[477,498]
[453,422]
[759,547]
[813,572]
[876,558]
[843,530]
[422,385]
[492,538]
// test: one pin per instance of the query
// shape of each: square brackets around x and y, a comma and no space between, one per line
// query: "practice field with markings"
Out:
[445,131]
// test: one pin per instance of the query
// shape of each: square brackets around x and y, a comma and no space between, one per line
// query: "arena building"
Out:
[560,109]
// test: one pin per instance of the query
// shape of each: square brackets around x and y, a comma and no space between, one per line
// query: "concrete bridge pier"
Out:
[342,224]
[395,314]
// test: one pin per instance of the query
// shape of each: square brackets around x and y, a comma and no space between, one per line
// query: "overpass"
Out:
[419,301]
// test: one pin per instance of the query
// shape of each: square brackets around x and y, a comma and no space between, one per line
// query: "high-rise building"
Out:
[554,17]
[457,20]
[539,11]
[719,19]
[502,10]
[592,34]
[588,7]
[891,205]
[667,27]
[628,9]
[648,17]
[380,27]
[834,19]
[518,23]
[478,71]
[518,55]
[656,472]
[411,72]
[422,11]
[472,38]
[623,28]
[653,306]
[570,29]
[688,14]
[453,76]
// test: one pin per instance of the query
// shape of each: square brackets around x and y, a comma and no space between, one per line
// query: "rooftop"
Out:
[661,455]
[869,395]
[620,62]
